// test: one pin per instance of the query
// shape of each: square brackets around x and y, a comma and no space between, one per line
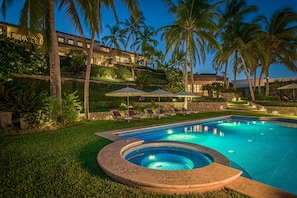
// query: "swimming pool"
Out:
[264,150]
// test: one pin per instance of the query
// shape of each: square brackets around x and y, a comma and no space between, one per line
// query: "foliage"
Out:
[26,104]
[103,72]
[70,109]
[19,57]
[123,72]
[174,79]
[74,61]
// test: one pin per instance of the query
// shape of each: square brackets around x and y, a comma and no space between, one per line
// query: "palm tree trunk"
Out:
[255,80]
[234,74]
[54,59]
[225,76]
[247,77]
[259,85]
[192,75]
[267,86]
[87,79]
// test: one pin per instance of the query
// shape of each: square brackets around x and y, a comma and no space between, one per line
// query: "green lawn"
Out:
[62,163]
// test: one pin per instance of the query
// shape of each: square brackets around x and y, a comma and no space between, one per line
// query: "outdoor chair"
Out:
[180,112]
[118,117]
[151,114]
[166,113]
[134,115]
[188,112]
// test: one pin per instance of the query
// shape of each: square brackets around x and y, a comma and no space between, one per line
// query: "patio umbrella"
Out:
[292,86]
[127,92]
[160,93]
[186,94]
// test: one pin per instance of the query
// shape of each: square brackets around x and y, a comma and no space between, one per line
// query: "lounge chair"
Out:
[118,117]
[134,115]
[150,113]
[189,112]
[167,113]
[181,112]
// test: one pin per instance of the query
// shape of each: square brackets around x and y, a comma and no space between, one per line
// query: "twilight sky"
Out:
[156,15]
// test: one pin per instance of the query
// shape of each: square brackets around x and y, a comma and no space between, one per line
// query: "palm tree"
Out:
[145,43]
[38,17]
[94,19]
[231,18]
[115,39]
[130,29]
[248,48]
[191,31]
[279,41]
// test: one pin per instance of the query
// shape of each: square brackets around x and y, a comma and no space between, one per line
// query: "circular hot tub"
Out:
[166,166]
[166,157]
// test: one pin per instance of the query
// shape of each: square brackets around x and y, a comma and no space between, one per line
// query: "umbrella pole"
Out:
[159,102]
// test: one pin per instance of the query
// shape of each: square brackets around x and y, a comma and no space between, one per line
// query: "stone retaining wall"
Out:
[281,110]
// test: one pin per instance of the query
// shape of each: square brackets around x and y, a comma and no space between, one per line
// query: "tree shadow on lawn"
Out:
[88,157]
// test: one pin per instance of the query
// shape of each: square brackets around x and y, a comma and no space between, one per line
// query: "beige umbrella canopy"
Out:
[127,92]
[186,94]
[160,93]
[292,86]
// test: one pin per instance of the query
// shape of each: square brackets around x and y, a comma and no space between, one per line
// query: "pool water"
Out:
[266,151]
[168,158]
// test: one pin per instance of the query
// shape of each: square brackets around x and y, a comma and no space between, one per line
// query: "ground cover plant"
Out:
[62,163]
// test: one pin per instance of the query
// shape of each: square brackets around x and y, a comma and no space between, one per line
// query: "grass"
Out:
[62,163]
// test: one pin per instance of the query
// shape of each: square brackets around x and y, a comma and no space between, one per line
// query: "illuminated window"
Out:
[88,45]
[61,39]
[1,31]
[70,42]
[79,43]
[16,36]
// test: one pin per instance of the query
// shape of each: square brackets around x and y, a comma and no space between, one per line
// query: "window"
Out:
[61,39]
[79,43]
[16,36]
[88,45]
[70,42]
[1,30]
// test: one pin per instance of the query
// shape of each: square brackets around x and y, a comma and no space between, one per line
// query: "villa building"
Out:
[204,79]
[102,54]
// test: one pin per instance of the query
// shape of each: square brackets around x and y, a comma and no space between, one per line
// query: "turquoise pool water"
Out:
[266,151]
[168,158]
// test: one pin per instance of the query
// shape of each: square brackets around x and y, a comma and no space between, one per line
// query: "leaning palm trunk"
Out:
[247,77]
[267,86]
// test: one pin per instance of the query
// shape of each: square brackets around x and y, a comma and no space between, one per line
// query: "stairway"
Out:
[241,107]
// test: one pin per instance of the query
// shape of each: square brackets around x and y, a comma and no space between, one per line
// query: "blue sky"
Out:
[156,15]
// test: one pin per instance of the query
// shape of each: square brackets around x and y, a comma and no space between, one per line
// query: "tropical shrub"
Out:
[71,107]
[19,57]
[26,104]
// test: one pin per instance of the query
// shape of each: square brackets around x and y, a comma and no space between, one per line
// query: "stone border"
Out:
[211,177]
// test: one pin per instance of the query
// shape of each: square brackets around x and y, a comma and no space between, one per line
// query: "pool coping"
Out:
[210,177]
[243,185]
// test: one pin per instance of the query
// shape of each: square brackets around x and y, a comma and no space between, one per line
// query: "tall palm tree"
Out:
[94,20]
[115,39]
[231,18]
[145,43]
[130,28]
[39,17]
[279,41]
[248,48]
[191,31]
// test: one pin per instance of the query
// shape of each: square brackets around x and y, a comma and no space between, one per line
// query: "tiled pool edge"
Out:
[243,185]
